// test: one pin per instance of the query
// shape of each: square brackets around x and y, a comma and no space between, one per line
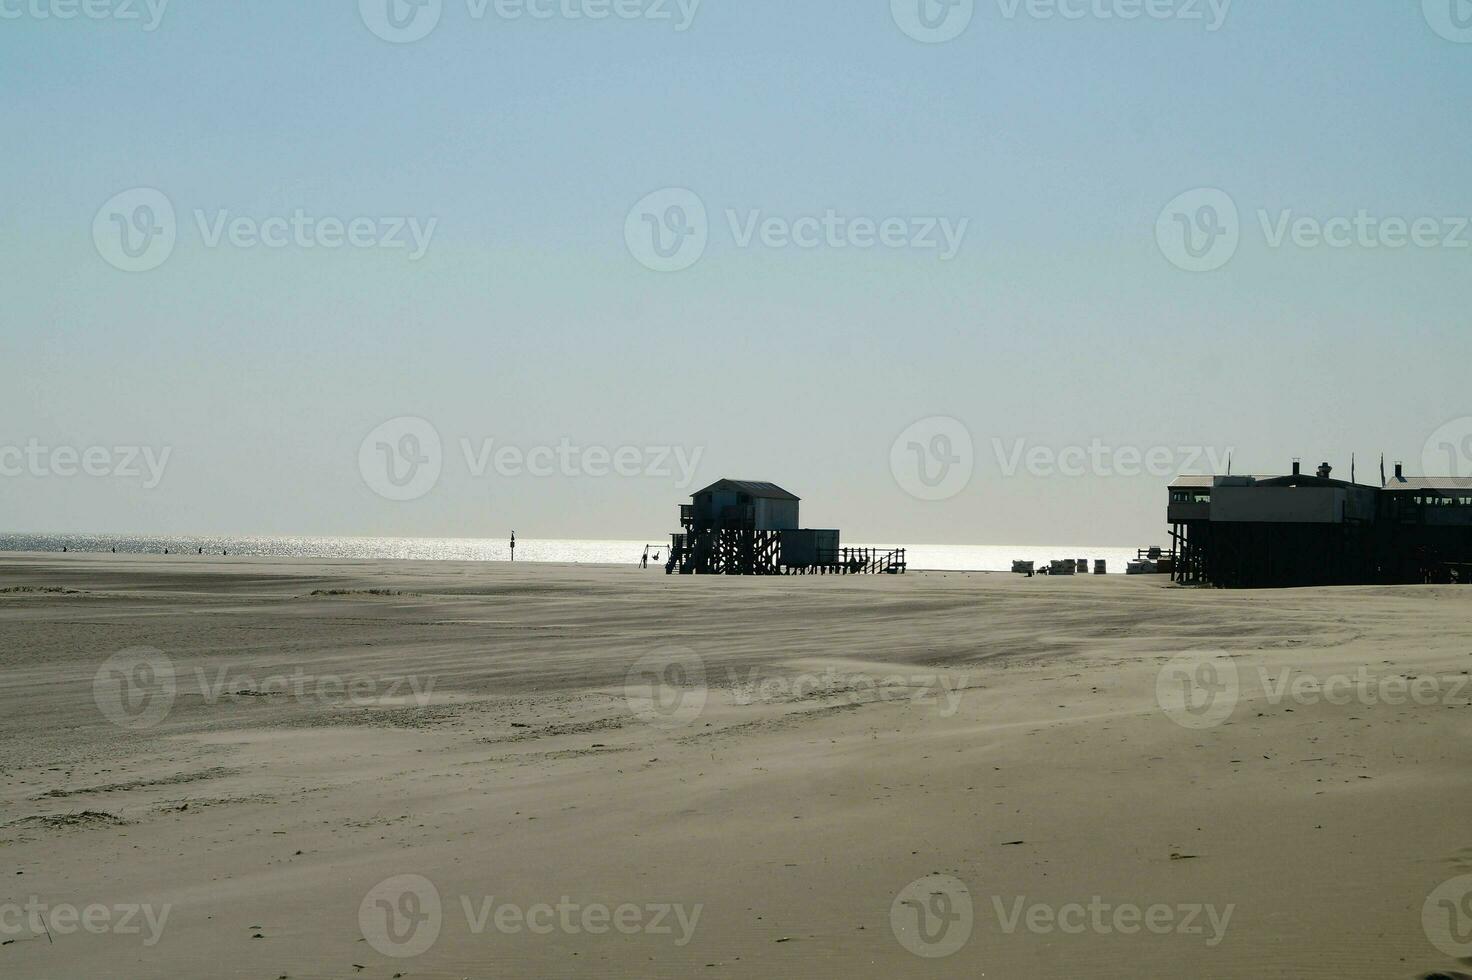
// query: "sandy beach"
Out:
[309,769]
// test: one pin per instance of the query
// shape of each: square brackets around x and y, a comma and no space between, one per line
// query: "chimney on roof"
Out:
[1297,467]
[1324,470]
[1400,471]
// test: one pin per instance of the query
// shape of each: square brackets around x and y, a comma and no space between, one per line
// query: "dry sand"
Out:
[857,735]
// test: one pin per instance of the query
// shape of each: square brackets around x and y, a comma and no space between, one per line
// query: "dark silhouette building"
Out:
[750,527]
[1303,530]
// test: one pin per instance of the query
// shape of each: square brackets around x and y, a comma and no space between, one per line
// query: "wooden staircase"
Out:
[857,561]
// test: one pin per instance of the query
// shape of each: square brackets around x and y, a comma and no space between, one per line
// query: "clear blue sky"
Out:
[528,320]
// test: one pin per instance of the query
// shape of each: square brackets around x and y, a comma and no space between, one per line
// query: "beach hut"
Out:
[752,504]
[751,527]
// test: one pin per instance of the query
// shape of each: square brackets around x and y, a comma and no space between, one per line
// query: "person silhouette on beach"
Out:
[644,561]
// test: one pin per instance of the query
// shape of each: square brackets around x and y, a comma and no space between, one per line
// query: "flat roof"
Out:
[1429,483]
[1205,481]
[1197,481]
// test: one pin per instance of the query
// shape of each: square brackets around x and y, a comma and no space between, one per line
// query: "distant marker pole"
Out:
[513,546]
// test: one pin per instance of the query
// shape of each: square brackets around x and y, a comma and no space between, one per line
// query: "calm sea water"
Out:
[937,557]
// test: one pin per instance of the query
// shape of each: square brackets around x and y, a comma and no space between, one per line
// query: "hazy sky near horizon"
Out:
[988,244]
